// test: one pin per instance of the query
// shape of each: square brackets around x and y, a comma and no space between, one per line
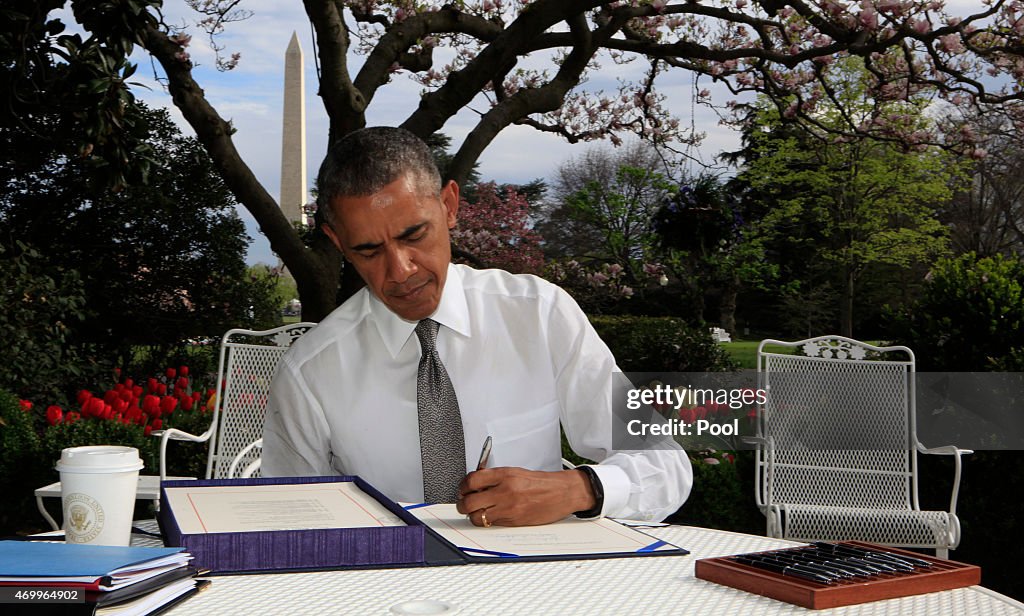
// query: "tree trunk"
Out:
[727,307]
[846,303]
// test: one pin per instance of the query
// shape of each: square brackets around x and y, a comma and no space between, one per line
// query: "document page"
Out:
[232,509]
[570,536]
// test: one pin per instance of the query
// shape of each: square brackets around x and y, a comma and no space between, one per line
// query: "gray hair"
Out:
[367,160]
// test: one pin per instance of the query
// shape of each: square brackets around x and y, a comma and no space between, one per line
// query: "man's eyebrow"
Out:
[405,234]
[410,231]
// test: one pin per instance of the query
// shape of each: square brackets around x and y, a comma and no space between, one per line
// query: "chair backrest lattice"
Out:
[248,360]
[839,418]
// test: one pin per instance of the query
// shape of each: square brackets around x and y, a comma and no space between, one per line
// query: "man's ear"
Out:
[450,200]
[331,235]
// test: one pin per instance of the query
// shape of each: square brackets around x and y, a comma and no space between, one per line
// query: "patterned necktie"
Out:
[442,446]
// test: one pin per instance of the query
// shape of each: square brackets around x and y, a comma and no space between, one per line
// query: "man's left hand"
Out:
[512,496]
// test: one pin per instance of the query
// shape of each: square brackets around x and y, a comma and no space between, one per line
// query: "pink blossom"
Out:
[951,43]
[868,16]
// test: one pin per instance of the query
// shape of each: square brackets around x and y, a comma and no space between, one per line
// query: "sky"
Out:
[251,97]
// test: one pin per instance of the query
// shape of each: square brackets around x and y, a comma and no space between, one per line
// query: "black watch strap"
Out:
[595,485]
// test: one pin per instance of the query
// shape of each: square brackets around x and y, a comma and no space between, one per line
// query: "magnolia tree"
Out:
[527,59]
[494,229]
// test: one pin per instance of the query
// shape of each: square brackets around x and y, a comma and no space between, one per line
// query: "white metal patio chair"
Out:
[837,446]
[252,459]
[247,363]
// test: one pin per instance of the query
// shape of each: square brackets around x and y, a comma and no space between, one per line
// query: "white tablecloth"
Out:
[642,586]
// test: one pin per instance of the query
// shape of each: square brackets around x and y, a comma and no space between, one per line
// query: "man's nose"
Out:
[400,265]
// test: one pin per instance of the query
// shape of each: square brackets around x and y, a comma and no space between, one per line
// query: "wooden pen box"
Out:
[944,575]
[289,550]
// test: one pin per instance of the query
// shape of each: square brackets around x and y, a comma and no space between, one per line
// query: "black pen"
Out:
[802,565]
[816,563]
[889,556]
[783,569]
[485,453]
[871,557]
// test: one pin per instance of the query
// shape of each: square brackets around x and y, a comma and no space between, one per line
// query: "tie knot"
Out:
[426,331]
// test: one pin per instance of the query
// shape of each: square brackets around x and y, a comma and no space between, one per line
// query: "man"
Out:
[354,395]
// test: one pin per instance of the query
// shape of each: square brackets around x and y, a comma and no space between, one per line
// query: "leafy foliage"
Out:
[158,263]
[970,316]
[70,91]
[41,306]
[660,344]
[853,205]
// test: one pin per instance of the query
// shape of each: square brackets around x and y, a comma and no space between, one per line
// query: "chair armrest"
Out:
[944,450]
[178,435]
[241,454]
[956,452]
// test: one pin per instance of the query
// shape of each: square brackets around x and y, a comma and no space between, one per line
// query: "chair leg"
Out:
[942,553]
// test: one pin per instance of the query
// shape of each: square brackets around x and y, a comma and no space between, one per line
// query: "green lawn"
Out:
[744,352]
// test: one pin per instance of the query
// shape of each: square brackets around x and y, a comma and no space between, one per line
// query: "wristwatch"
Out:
[595,485]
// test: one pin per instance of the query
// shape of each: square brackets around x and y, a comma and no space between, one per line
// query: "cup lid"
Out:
[99,459]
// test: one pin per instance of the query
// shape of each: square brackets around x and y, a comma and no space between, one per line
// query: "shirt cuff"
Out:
[616,487]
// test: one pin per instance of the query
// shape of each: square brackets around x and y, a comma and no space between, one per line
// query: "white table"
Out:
[644,586]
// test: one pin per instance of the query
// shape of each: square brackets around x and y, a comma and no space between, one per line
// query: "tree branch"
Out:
[462,85]
[344,102]
[215,134]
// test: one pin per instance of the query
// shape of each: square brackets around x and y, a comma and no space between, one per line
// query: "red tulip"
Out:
[72,417]
[83,395]
[161,389]
[147,430]
[25,405]
[183,370]
[151,405]
[171,373]
[168,404]
[186,403]
[157,424]
[151,385]
[137,392]
[182,383]
[54,415]
[129,383]
[93,407]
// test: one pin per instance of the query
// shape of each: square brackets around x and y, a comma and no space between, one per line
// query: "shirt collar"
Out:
[452,312]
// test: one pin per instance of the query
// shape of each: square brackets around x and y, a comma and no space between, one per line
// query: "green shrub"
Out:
[969,318]
[20,470]
[39,309]
[661,344]
[722,493]
[99,432]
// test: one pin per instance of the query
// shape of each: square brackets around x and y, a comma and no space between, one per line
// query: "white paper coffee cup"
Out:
[98,486]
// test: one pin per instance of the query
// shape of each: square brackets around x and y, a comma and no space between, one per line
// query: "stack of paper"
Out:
[113,580]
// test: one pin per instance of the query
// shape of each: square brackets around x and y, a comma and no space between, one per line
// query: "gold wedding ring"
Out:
[483,518]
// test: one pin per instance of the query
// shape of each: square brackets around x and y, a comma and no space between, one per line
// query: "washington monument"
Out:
[293,135]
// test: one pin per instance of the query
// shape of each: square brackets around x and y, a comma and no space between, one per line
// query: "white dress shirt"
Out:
[522,357]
